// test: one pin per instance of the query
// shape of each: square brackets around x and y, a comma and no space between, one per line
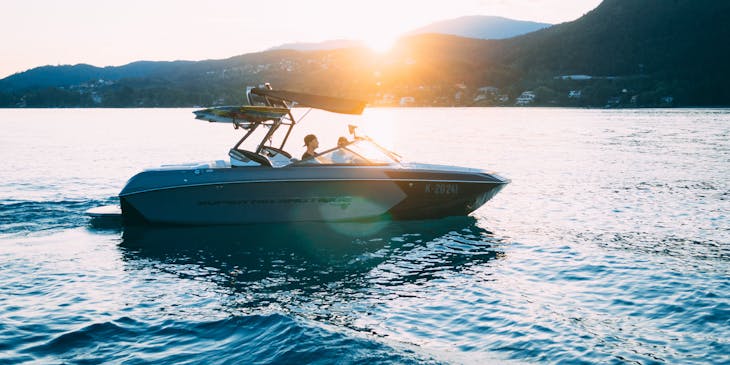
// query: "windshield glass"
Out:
[370,151]
[361,152]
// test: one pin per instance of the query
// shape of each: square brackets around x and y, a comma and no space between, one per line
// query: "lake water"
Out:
[611,245]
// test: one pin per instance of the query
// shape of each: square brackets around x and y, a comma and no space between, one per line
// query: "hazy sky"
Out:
[104,32]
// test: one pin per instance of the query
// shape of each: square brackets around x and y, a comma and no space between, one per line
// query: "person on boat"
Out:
[341,155]
[310,141]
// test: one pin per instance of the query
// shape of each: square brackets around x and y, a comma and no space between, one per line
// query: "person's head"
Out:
[342,141]
[310,141]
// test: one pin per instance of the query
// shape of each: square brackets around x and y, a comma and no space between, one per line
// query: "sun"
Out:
[380,43]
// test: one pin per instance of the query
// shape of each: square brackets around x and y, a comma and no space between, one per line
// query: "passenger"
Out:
[310,141]
[341,155]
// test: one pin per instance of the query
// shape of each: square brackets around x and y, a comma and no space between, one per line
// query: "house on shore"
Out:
[486,93]
[526,98]
[407,101]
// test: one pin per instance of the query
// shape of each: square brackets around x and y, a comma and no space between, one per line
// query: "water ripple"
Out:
[33,216]
[249,339]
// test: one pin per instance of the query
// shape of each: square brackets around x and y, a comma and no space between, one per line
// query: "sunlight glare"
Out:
[380,43]
[381,126]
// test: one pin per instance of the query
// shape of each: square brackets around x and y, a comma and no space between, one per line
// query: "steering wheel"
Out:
[273,151]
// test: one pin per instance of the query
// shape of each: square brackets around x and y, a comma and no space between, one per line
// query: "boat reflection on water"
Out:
[307,267]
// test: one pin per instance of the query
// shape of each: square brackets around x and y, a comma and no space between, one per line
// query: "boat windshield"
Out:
[360,152]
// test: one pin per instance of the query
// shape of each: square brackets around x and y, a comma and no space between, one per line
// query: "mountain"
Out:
[482,27]
[319,46]
[680,44]
[622,37]
[54,76]
[477,26]
[625,53]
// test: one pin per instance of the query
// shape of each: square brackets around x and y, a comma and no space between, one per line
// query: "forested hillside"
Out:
[624,53]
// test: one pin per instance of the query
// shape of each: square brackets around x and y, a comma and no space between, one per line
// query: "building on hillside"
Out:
[486,93]
[573,77]
[386,99]
[526,98]
[488,90]
[407,101]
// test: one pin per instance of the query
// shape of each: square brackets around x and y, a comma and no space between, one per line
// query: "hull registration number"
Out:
[442,189]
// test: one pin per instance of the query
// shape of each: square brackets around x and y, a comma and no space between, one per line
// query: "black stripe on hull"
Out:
[430,200]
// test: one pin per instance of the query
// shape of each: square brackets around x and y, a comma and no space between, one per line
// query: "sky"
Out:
[115,32]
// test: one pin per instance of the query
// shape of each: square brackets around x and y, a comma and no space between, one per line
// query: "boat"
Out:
[357,181]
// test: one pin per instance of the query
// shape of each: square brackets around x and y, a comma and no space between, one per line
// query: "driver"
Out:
[310,141]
